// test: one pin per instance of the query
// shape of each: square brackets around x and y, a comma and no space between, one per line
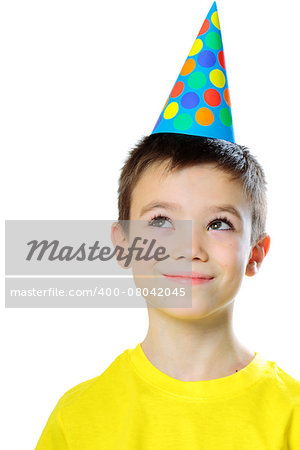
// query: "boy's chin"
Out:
[188,310]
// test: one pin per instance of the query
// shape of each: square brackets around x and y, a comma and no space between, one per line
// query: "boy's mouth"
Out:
[189,277]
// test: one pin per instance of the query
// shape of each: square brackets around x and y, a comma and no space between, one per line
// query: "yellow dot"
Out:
[171,110]
[197,46]
[215,19]
[217,78]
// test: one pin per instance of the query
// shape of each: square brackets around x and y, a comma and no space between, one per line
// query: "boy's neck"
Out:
[204,349]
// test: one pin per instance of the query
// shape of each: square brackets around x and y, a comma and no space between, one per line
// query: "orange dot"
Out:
[188,67]
[204,27]
[165,104]
[226,97]
[204,116]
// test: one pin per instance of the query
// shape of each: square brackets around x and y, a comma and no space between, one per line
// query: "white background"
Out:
[81,83]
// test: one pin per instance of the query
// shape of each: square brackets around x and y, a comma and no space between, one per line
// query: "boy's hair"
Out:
[181,150]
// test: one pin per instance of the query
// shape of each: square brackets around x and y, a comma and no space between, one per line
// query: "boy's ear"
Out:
[258,253]
[119,238]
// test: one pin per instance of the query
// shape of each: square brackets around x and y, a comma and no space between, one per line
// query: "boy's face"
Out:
[218,249]
[218,245]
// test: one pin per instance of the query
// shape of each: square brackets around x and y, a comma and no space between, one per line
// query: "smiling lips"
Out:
[189,277]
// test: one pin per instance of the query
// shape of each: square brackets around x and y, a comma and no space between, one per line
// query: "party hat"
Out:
[199,102]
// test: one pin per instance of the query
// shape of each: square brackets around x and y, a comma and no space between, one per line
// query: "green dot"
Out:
[225,116]
[213,40]
[183,122]
[197,80]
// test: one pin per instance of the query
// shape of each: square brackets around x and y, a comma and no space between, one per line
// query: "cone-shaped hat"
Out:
[199,102]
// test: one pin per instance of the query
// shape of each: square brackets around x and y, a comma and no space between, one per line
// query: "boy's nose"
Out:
[191,245]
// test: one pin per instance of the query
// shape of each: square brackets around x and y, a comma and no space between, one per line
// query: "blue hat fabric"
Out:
[199,102]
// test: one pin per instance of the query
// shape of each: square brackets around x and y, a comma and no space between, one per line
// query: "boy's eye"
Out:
[215,224]
[160,221]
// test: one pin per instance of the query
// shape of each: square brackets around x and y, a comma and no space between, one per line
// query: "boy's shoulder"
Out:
[118,380]
[98,385]
[287,384]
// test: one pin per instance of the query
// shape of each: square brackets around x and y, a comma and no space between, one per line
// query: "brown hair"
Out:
[183,150]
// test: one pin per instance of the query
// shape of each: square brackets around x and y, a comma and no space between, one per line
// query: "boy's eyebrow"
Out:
[158,204]
[174,206]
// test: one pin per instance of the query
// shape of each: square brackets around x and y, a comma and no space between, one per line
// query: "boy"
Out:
[190,384]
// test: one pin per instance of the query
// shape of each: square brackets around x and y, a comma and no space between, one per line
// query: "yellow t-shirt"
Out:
[133,405]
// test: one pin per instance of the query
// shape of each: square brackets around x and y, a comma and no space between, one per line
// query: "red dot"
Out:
[221,59]
[204,28]
[212,97]
[177,89]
